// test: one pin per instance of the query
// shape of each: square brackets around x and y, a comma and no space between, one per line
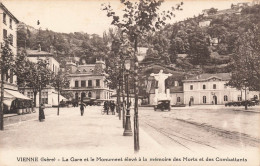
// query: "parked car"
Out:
[64,104]
[163,105]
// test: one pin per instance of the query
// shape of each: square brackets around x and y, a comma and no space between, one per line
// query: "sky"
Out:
[86,15]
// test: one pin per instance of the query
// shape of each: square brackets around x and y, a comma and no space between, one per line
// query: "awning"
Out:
[55,99]
[8,102]
[16,94]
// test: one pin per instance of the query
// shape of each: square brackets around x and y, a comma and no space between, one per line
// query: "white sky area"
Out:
[86,15]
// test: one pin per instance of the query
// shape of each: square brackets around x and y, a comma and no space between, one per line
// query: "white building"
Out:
[212,89]
[8,29]
[205,23]
[49,95]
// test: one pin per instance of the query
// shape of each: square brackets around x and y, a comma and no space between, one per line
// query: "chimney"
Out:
[39,48]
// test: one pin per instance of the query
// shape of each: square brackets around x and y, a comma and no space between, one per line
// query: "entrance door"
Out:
[216,100]
[83,95]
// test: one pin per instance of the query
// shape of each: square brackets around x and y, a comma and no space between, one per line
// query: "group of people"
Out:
[109,105]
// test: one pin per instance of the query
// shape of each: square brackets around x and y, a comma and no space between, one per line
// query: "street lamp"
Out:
[128,130]
[118,93]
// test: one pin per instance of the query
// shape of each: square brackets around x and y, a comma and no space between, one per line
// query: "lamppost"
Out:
[128,130]
[118,93]
[123,92]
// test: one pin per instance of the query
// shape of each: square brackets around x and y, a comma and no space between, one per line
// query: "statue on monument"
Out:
[161,77]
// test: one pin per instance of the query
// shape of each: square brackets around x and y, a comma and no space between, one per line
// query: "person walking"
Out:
[112,107]
[41,113]
[82,109]
[106,107]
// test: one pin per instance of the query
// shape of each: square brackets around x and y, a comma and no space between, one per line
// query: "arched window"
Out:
[225,98]
[204,99]
[76,96]
[89,94]
[192,99]
[178,99]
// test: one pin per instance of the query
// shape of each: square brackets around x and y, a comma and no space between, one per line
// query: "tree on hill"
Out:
[246,60]
[212,11]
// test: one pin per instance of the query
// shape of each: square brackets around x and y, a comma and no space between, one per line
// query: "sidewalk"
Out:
[71,135]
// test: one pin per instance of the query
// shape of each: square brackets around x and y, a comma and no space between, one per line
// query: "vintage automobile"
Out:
[163,105]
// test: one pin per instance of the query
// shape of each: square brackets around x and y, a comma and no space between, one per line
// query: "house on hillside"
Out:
[204,23]
[212,89]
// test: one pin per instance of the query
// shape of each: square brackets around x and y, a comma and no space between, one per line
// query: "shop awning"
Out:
[8,102]
[16,94]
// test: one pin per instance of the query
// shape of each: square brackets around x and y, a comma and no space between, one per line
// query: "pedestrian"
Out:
[106,107]
[41,113]
[82,109]
[112,107]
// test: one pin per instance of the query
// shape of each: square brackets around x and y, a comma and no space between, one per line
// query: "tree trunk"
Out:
[136,124]
[34,97]
[2,100]
[58,113]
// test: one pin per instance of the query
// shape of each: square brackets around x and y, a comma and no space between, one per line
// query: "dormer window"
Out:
[84,70]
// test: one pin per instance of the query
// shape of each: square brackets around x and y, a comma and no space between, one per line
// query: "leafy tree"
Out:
[246,61]
[32,75]
[212,11]
[59,81]
[7,66]
[139,19]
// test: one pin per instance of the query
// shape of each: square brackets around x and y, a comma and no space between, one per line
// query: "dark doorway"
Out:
[216,100]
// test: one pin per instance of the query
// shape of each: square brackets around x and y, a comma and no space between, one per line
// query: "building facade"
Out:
[8,29]
[13,100]
[49,94]
[88,81]
[212,89]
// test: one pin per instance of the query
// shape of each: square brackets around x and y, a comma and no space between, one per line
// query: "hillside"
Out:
[201,44]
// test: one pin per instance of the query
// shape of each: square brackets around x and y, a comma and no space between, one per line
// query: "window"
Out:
[225,98]
[204,99]
[76,96]
[98,95]
[255,97]
[11,23]
[214,86]
[53,68]
[83,83]
[11,38]
[204,86]
[191,87]
[89,94]
[44,97]
[97,82]
[76,83]
[89,83]
[30,95]
[239,98]
[178,99]
[5,33]
[11,76]
[4,18]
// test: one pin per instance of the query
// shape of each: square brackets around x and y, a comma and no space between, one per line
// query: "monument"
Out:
[160,93]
